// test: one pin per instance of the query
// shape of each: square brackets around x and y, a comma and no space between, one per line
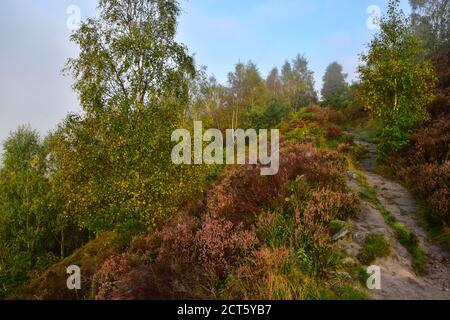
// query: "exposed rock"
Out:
[341,234]
[337,225]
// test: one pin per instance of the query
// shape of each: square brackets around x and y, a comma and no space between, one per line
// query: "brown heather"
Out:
[214,251]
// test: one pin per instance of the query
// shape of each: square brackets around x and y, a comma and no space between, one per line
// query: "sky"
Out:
[34,40]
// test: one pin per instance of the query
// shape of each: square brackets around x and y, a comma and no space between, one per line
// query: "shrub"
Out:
[326,169]
[111,271]
[442,66]
[321,115]
[439,201]
[431,144]
[392,139]
[305,224]
[425,166]
[333,116]
[178,261]
[431,182]
[242,192]
[220,249]
[271,274]
[178,241]
[333,132]
[333,204]
[220,245]
[213,243]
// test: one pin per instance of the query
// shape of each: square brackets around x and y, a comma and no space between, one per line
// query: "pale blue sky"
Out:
[34,45]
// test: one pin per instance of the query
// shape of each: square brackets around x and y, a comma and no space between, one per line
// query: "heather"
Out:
[101,191]
[424,166]
[271,242]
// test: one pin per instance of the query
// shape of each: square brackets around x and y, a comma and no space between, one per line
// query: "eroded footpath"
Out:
[399,280]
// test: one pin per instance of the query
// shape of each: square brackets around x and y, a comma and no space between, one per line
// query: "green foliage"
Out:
[129,56]
[51,284]
[274,83]
[424,167]
[108,168]
[317,125]
[29,222]
[268,118]
[112,165]
[298,84]
[431,22]
[280,231]
[375,246]
[246,95]
[392,138]
[306,223]
[206,98]
[335,88]
[249,101]
[273,273]
[370,131]
[116,170]
[247,87]
[396,80]
[345,292]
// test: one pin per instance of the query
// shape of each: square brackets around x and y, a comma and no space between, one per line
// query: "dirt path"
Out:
[399,281]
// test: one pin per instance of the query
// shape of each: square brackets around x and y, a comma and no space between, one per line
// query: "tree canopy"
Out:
[335,88]
[129,56]
[298,83]
[397,81]
[431,22]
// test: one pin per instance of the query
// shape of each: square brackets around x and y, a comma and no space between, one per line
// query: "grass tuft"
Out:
[375,246]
